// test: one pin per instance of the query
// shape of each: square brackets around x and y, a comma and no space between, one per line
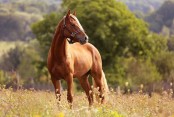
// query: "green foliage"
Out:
[21,58]
[44,31]
[28,60]
[171,43]
[165,64]
[3,79]
[133,70]
[6,46]
[117,33]
[11,60]
[124,41]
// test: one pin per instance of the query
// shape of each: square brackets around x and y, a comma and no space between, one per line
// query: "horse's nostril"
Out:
[86,38]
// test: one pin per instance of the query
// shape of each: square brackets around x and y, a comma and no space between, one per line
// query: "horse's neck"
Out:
[59,46]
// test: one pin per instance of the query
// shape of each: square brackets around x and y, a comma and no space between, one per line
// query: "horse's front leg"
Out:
[57,87]
[69,80]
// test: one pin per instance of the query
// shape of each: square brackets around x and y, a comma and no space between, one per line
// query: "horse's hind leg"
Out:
[98,81]
[86,86]
[57,87]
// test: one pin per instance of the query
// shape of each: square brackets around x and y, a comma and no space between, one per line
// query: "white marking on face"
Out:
[80,26]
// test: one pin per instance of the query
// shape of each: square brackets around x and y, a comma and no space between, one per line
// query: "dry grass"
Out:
[25,103]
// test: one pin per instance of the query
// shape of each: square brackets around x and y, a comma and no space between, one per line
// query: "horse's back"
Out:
[87,46]
[86,49]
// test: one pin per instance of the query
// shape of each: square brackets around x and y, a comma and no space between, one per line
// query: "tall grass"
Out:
[30,103]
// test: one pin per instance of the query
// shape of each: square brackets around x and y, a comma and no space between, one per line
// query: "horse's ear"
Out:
[74,13]
[68,14]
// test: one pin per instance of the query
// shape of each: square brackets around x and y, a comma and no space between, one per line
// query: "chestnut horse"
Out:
[66,61]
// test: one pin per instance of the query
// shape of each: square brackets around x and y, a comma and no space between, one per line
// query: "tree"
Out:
[22,60]
[170,43]
[28,60]
[11,60]
[165,65]
[114,30]
[44,31]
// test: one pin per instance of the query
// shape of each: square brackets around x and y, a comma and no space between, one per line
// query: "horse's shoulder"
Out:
[86,47]
[91,47]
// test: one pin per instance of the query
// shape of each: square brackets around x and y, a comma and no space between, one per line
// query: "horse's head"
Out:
[73,29]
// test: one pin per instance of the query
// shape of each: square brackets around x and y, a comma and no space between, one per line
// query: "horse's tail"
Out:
[105,86]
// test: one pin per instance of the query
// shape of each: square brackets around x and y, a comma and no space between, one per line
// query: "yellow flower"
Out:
[37,116]
[61,114]
[115,114]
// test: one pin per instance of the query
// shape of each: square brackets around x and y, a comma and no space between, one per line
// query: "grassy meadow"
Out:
[31,103]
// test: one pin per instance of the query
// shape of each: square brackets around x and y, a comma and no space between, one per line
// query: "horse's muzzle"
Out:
[83,41]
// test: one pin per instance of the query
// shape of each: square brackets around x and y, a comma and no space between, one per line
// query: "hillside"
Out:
[32,1]
[16,26]
[17,16]
[143,7]
[162,20]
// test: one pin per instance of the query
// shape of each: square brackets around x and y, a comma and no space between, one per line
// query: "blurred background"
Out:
[135,39]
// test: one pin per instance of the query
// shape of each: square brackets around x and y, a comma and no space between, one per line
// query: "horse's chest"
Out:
[61,70]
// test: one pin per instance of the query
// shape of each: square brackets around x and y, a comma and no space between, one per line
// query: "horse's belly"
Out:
[82,67]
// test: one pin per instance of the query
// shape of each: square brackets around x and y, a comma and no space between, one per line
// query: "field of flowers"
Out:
[31,103]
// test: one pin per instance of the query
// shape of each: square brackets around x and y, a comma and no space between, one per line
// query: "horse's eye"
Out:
[73,25]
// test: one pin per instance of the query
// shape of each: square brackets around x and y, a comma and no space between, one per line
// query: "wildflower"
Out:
[57,90]
[111,89]
[171,83]
[141,86]
[115,114]
[92,86]
[61,114]
[36,115]
[90,92]
[126,84]
[95,110]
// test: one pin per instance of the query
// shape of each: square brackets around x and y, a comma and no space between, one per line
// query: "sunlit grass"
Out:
[25,103]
